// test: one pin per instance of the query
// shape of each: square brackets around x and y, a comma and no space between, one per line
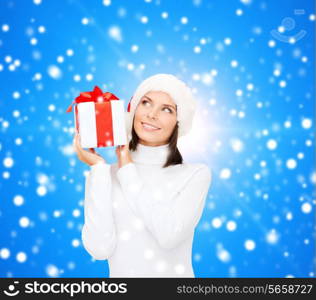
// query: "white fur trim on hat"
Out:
[180,93]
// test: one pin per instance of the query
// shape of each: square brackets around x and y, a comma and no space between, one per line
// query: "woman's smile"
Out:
[149,127]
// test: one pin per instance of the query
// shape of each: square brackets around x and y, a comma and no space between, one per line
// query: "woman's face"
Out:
[158,110]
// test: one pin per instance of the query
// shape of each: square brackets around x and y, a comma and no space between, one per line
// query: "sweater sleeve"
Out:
[98,232]
[171,215]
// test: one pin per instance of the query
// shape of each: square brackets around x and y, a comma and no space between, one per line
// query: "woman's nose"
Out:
[152,113]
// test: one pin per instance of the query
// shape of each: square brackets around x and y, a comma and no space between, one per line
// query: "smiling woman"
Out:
[155,124]
[155,100]
[141,212]
[156,113]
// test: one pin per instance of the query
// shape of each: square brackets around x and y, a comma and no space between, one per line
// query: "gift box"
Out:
[99,119]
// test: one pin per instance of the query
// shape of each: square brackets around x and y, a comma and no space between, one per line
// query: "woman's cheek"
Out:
[169,123]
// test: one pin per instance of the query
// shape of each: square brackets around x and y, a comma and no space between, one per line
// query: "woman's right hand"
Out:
[90,157]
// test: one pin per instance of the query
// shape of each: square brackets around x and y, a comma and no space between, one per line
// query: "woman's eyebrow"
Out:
[163,104]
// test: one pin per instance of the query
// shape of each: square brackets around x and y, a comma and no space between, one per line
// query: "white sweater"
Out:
[141,217]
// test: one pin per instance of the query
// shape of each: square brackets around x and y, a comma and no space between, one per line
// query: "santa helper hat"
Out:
[180,93]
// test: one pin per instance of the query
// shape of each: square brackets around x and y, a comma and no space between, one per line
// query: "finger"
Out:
[77,150]
[74,142]
[122,148]
[78,145]
[92,150]
[78,140]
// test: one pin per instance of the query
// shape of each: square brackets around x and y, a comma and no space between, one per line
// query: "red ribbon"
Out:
[95,96]
[129,104]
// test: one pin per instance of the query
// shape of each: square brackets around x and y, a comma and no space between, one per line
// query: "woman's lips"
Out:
[149,127]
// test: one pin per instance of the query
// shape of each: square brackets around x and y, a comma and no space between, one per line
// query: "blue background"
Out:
[257,115]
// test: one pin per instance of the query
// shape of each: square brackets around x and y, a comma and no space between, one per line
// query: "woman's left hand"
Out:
[123,155]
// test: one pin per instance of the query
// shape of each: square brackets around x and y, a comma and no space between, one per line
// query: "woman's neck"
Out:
[155,155]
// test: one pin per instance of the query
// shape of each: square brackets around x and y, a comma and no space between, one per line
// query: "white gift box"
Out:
[101,124]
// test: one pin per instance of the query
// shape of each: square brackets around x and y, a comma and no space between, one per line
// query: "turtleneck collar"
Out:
[152,155]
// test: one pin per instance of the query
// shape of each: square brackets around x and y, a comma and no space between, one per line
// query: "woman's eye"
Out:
[144,102]
[169,110]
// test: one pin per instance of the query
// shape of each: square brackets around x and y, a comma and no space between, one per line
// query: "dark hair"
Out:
[174,156]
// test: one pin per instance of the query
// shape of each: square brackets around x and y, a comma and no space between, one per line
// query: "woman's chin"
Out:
[148,137]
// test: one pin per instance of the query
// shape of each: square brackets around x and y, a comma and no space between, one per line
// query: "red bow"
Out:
[96,96]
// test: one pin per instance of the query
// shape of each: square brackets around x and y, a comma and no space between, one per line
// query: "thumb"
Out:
[118,150]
